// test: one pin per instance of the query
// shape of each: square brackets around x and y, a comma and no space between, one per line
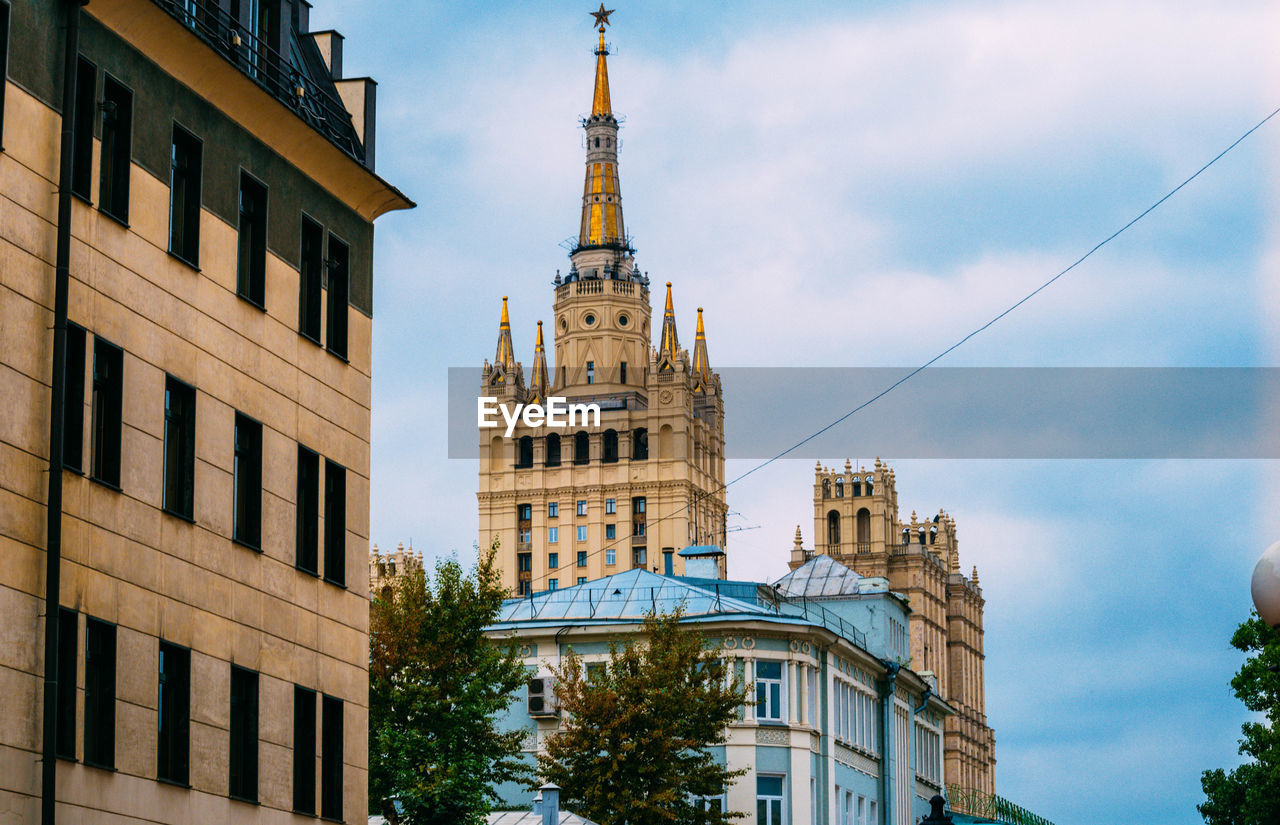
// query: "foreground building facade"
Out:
[208,653]
[856,522]
[630,489]
[839,732]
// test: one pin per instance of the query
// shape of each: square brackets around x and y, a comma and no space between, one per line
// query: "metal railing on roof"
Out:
[976,803]
[262,63]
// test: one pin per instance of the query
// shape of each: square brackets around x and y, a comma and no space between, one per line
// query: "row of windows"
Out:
[185,181]
[553,508]
[856,487]
[524,563]
[856,809]
[178,484]
[929,755]
[856,720]
[582,448]
[173,725]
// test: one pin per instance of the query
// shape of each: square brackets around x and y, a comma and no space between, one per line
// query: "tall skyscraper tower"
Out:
[576,503]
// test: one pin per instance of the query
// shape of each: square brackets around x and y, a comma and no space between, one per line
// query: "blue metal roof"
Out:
[694,550]
[628,595]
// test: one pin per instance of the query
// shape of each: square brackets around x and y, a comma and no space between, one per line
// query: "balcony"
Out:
[303,84]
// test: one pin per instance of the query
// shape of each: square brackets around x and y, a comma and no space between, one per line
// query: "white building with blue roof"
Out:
[840,730]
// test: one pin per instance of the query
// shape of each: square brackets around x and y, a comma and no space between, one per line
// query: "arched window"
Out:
[933,535]
[640,444]
[609,453]
[864,527]
[524,454]
[839,488]
[833,529]
[553,450]
[581,447]
[920,535]
[826,488]
[666,442]
[497,446]
[871,490]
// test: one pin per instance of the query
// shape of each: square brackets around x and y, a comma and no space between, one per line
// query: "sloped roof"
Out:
[529,818]
[628,595]
[820,576]
[696,550]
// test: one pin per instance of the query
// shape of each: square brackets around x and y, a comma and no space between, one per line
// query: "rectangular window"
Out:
[524,512]
[175,714]
[184,196]
[525,536]
[99,693]
[308,515]
[611,556]
[73,400]
[179,447]
[622,373]
[117,137]
[311,279]
[524,561]
[668,562]
[251,259]
[582,580]
[243,754]
[553,561]
[611,531]
[553,534]
[524,588]
[591,372]
[331,758]
[247,482]
[553,509]
[304,750]
[335,523]
[582,558]
[637,504]
[582,532]
[769,800]
[4,59]
[582,508]
[769,690]
[610,506]
[862,810]
[637,557]
[638,529]
[68,621]
[553,584]
[82,117]
[339,286]
[106,410]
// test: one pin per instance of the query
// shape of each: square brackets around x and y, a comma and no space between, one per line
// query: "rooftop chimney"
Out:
[550,804]
[537,805]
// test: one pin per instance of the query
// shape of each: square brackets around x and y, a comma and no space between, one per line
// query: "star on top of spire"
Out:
[602,16]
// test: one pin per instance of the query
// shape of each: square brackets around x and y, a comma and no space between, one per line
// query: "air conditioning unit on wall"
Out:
[541,697]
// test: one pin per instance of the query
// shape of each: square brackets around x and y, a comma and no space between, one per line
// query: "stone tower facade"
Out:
[856,522]
[579,502]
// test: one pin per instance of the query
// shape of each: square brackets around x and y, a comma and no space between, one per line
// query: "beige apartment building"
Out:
[207,660]
[644,481]
[856,522]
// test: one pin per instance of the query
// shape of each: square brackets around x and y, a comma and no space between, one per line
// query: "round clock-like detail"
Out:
[589,320]
[665,396]
[623,319]
[564,324]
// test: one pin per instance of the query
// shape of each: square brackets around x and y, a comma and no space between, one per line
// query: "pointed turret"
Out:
[505,357]
[602,226]
[701,367]
[538,383]
[668,343]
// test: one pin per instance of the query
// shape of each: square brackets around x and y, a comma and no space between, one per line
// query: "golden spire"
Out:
[669,344]
[538,384]
[701,367]
[600,101]
[602,224]
[505,356]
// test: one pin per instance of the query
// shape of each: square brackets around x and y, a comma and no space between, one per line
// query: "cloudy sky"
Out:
[860,185]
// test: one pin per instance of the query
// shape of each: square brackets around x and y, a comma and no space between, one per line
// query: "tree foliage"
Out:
[635,744]
[1250,794]
[436,688]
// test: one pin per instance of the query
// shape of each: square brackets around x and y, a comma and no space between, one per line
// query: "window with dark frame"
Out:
[335,523]
[174,742]
[99,693]
[339,291]
[331,758]
[117,144]
[105,411]
[304,750]
[73,400]
[82,116]
[247,482]
[581,448]
[311,279]
[242,757]
[68,621]
[184,196]
[4,59]
[179,447]
[609,447]
[251,255]
[553,450]
[308,515]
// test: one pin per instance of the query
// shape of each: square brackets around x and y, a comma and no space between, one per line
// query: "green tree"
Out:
[1250,794]
[437,685]
[634,747]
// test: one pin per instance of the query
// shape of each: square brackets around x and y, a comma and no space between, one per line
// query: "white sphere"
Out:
[1266,585]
